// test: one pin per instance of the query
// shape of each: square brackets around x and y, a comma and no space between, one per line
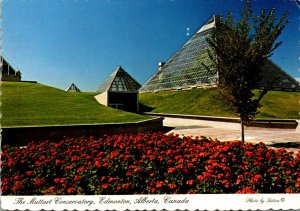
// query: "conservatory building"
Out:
[119,91]
[185,69]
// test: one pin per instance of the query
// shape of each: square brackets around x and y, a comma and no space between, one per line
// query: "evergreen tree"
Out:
[238,50]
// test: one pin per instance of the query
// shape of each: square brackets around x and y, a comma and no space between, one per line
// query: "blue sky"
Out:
[59,42]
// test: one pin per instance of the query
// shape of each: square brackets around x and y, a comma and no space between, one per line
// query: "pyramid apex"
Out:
[119,68]
[210,23]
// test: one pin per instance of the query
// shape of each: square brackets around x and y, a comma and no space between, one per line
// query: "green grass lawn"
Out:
[27,104]
[276,104]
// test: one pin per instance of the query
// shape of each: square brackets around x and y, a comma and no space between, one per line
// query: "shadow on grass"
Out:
[144,108]
[286,145]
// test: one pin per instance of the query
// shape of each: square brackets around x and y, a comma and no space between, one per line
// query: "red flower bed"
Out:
[148,163]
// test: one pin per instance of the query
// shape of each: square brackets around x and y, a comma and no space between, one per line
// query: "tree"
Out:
[238,50]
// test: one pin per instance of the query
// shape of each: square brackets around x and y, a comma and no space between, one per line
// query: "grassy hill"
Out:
[276,104]
[25,104]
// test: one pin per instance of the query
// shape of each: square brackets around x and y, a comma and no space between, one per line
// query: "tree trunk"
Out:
[243,132]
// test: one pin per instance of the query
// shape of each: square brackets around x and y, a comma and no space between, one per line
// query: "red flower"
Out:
[172,186]
[170,170]
[191,166]
[111,180]
[71,190]
[169,151]
[51,189]
[226,183]
[113,154]
[137,169]
[248,154]
[98,163]
[75,158]
[220,176]
[200,177]
[62,180]
[288,172]
[10,163]
[288,190]
[80,169]
[77,178]
[38,182]
[190,182]
[68,167]
[28,173]
[17,186]
[106,164]
[246,190]
[152,190]
[105,186]
[42,157]
[159,184]
[256,179]
[125,186]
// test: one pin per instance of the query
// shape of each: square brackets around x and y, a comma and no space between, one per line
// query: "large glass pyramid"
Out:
[119,81]
[184,69]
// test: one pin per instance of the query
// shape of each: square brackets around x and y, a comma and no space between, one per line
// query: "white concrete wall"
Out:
[102,98]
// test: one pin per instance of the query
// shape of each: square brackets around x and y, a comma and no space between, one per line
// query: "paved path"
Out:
[289,138]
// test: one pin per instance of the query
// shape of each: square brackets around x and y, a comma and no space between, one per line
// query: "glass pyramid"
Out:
[184,69]
[7,67]
[119,81]
[73,88]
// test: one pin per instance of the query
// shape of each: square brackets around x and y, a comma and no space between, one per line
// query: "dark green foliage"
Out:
[238,51]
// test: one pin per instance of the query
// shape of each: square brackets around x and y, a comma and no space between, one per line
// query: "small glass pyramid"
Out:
[119,81]
[73,88]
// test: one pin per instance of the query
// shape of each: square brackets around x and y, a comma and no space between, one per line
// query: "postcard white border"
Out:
[154,202]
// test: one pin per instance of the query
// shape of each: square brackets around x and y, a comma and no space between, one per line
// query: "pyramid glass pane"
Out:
[119,81]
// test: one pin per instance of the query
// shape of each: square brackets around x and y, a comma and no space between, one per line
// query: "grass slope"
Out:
[25,104]
[276,104]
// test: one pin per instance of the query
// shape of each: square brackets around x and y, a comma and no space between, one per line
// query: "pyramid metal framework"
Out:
[9,72]
[184,70]
[119,81]
[73,88]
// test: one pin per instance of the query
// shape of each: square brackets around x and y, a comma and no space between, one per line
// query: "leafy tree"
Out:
[238,50]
